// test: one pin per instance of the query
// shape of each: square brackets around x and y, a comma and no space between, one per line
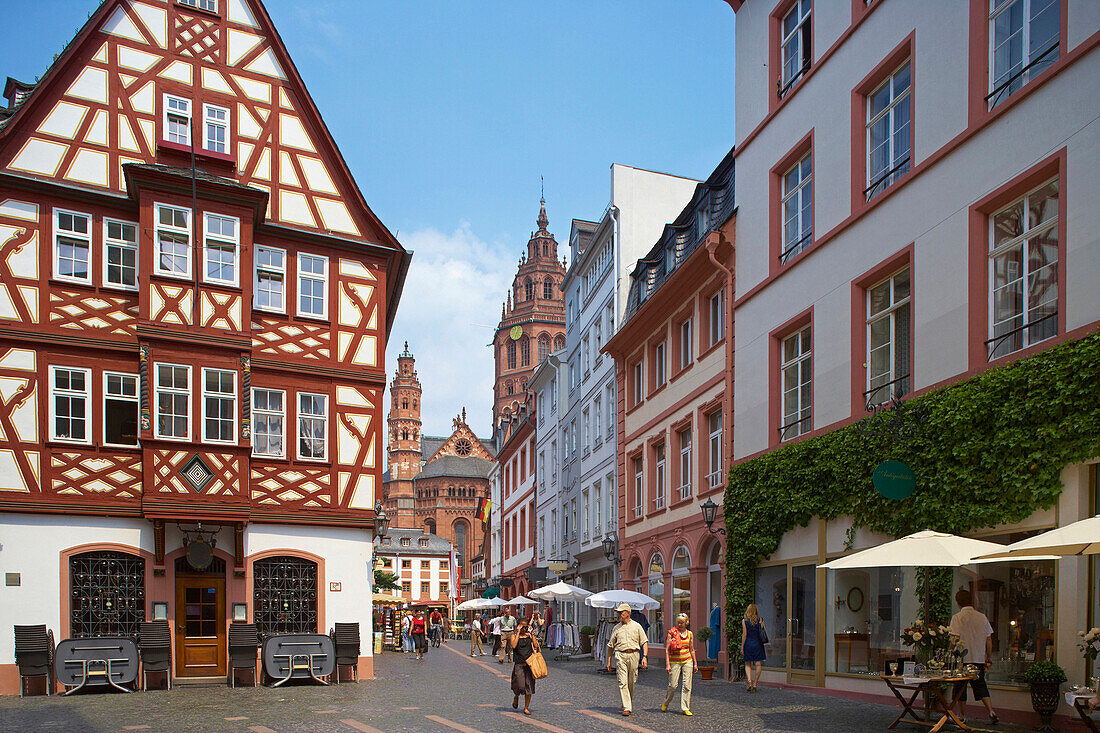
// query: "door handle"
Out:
[179,628]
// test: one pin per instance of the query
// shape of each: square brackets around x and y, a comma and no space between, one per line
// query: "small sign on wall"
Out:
[335,587]
[12,579]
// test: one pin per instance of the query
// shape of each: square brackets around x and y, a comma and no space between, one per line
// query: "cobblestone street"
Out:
[448,691]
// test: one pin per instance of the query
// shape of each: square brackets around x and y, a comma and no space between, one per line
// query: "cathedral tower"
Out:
[403,451]
[532,320]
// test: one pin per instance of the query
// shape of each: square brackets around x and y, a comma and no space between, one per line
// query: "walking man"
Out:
[626,640]
[494,632]
[476,630]
[507,626]
[972,628]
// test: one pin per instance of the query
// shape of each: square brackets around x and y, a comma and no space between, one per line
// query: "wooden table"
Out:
[1078,703]
[846,642]
[933,696]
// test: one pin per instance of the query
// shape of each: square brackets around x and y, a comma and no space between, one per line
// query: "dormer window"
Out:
[405,542]
[177,120]
[423,542]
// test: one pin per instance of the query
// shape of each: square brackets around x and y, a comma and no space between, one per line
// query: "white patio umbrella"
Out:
[920,549]
[612,598]
[521,601]
[1079,538]
[560,591]
[474,604]
[494,602]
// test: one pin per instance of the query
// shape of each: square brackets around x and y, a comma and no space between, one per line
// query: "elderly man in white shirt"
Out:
[972,628]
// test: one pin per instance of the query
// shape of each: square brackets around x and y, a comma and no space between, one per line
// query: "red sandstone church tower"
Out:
[532,320]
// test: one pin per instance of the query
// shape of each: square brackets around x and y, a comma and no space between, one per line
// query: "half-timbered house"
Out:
[194,305]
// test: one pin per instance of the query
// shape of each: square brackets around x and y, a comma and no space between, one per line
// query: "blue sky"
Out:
[449,112]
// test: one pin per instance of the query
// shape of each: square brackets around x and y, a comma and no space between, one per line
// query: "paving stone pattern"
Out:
[446,692]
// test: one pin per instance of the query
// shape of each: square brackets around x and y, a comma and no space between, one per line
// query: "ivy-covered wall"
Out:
[991,452]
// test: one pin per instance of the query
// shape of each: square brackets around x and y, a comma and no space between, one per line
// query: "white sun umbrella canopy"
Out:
[1079,538]
[474,604]
[560,591]
[521,601]
[921,549]
[612,598]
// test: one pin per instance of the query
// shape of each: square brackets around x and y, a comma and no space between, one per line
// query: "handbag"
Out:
[763,634]
[536,663]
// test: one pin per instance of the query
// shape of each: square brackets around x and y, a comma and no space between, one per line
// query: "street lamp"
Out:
[710,509]
[611,549]
[381,521]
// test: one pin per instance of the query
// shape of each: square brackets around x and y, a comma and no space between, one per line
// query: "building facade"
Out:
[913,220]
[192,354]
[421,561]
[516,462]
[532,320]
[433,483]
[672,357]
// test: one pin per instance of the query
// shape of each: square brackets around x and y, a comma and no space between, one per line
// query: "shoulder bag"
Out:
[763,633]
[536,662]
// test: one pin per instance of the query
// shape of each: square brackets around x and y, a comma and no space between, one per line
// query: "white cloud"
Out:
[456,281]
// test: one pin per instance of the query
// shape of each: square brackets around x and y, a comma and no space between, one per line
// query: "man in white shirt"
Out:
[971,627]
[475,637]
[494,631]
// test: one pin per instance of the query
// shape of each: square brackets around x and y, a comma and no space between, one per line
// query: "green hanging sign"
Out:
[894,480]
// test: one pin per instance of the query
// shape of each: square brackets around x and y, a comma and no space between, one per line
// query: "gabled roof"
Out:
[456,466]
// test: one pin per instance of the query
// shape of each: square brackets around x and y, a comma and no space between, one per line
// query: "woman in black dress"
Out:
[523,682]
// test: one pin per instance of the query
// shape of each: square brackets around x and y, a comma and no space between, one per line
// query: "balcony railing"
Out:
[876,395]
[1033,337]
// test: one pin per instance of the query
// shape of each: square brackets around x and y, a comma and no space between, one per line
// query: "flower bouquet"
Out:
[1089,643]
[926,639]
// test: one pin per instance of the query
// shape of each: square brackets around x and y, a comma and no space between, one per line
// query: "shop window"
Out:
[285,595]
[656,590]
[107,594]
[681,582]
[869,610]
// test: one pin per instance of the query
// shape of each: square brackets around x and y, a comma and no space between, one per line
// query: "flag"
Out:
[456,576]
[484,506]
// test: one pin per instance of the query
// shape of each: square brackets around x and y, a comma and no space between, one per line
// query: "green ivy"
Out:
[991,451]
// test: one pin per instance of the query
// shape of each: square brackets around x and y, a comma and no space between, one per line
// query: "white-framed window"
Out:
[659,477]
[1023,43]
[659,364]
[639,385]
[888,329]
[542,538]
[585,424]
[209,5]
[177,119]
[270,282]
[312,285]
[70,404]
[1023,271]
[597,507]
[72,246]
[609,316]
[639,487]
[609,481]
[585,353]
[120,254]
[215,128]
[572,438]
[553,395]
[714,468]
[312,426]
[120,409]
[573,516]
[686,353]
[221,239]
[795,44]
[585,504]
[798,208]
[684,489]
[889,115]
[796,372]
[268,422]
[597,418]
[173,232]
[715,316]
[219,405]
[173,396]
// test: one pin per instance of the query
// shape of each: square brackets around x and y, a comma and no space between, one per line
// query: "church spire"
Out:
[543,221]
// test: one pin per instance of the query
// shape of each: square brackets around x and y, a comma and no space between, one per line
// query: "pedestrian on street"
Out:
[972,628]
[435,620]
[680,663]
[475,637]
[507,626]
[406,633]
[626,640]
[420,639]
[536,625]
[523,645]
[494,632]
[753,634]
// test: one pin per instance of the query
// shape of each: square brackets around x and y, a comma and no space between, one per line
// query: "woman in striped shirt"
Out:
[680,663]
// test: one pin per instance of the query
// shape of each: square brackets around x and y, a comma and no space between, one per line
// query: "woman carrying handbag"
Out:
[528,661]
[753,638]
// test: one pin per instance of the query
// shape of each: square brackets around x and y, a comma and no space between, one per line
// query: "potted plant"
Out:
[705,668]
[587,632]
[1045,678]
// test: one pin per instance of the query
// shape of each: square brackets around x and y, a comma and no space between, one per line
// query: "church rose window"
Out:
[463,447]
[285,599]
[107,594]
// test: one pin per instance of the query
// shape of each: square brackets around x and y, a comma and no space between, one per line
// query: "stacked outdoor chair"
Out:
[34,654]
[243,641]
[155,644]
[345,637]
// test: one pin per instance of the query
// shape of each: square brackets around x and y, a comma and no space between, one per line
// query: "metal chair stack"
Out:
[243,642]
[155,644]
[34,654]
[345,637]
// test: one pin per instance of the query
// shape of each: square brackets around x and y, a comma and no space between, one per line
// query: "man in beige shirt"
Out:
[627,638]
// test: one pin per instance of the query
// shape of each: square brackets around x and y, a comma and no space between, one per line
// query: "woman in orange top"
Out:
[680,663]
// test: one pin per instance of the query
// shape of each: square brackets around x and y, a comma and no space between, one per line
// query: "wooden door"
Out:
[200,626]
